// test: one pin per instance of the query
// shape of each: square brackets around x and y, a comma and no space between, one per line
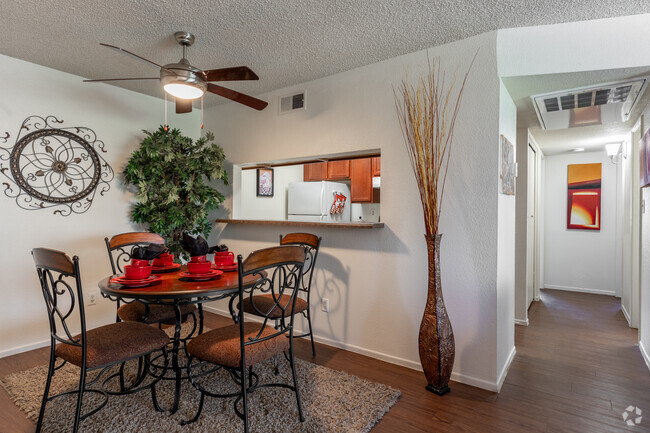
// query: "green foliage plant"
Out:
[169,173]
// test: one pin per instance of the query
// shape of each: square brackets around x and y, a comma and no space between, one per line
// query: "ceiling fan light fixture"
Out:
[183,91]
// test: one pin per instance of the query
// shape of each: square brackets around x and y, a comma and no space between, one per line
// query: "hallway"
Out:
[578,366]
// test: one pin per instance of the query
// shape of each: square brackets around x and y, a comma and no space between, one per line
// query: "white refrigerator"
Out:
[319,201]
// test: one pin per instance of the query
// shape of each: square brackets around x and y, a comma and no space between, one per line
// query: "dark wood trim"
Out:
[302,224]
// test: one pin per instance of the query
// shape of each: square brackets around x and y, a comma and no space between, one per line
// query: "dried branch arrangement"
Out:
[427,119]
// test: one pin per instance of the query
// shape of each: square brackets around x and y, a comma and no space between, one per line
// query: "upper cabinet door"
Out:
[376,166]
[315,171]
[338,169]
[361,180]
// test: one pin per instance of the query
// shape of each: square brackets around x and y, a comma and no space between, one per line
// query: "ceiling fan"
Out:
[185,82]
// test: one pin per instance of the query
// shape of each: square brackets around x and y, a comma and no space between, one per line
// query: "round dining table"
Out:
[172,288]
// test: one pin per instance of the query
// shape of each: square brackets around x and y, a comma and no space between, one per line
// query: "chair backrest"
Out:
[310,243]
[280,272]
[58,274]
[121,246]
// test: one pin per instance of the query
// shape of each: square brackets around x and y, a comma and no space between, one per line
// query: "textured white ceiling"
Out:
[285,42]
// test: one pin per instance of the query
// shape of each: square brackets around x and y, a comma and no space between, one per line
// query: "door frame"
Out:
[537,212]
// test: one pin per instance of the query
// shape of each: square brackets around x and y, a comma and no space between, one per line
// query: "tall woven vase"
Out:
[436,340]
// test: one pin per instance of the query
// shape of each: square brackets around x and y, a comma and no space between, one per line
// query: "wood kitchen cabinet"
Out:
[376,166]
[338,169]
[315,171]
[361,180]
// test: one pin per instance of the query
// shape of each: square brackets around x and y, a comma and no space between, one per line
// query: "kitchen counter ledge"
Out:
[362,225]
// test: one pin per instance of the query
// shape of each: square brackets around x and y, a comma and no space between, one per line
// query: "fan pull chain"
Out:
[166,127]
[201,112]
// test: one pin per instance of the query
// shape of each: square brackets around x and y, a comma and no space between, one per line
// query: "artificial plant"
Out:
[170,173]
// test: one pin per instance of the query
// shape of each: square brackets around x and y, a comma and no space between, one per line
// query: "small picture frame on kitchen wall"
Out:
[265,182]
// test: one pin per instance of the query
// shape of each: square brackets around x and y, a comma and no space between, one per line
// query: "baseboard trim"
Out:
[580,289]
[25,348]
[522,322]
[506,367]
[626,315]
[458,377]
[644,354]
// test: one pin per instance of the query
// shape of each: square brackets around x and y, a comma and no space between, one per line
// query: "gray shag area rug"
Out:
[332,401]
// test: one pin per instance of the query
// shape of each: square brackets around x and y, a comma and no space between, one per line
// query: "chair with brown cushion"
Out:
[120,248]
[310,243]
[95,349]
[238,347]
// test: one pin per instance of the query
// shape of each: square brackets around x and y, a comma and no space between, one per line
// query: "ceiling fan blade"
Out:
[119,79]
[249,101]
[230,74]
[183,106]
[135,56]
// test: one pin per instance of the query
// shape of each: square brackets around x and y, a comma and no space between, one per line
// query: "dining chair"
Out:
[120,248]
[237,348]
[310,243]
[95,349]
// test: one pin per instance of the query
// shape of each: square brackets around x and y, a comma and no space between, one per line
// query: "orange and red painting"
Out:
[583,194]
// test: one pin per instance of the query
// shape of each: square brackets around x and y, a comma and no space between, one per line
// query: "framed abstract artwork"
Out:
[507,167]
[583,196]
[644,159]
[265,182]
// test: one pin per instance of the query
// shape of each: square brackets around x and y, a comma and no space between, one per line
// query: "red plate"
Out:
[163,269]
[225,268]
[135,283]
[201,277]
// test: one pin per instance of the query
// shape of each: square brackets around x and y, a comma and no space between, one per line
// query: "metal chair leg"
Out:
[295,383]
[82,384]
[244,398]
[50,373]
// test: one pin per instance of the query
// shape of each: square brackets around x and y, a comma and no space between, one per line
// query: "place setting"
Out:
[199,268]
[139,272]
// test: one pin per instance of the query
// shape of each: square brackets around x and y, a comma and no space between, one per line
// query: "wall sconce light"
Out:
[614,152]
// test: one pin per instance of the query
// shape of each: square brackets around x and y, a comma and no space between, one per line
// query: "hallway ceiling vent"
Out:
[585,106]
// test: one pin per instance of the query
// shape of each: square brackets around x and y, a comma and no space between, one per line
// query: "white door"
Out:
[531,247]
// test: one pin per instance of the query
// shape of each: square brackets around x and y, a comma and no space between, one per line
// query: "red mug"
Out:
[197,259]
[165,259]
[137,272]
[199,267]
[224,258]
[139,263]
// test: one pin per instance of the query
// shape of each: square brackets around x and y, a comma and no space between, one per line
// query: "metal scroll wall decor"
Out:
[50,166]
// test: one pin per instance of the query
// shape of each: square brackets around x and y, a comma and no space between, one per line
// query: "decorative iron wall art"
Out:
[50,166]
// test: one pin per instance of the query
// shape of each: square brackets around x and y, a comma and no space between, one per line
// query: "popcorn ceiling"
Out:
[285,42]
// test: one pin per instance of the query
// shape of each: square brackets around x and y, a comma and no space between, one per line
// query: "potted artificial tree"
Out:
[169,173]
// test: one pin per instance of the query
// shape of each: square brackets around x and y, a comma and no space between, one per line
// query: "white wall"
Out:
[376,279]
[271,208]
[117,116]
[644,283]
[610,43]
[579,260]
[506,245]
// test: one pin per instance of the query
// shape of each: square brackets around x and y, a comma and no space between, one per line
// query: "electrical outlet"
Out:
[325,305]
[92,298]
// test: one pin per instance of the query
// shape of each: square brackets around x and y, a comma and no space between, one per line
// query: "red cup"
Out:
[224,258]
[199,267]
[165,259]
[139,263]
[137,272]
[197,259]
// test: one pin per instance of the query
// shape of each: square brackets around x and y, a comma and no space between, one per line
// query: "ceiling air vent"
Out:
[292,102]
[593,105]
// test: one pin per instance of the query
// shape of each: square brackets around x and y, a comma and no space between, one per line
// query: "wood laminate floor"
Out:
[576,370]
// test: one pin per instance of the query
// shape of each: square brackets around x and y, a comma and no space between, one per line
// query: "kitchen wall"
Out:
[117,116]
[376,279]
[579,260]
[271,208]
